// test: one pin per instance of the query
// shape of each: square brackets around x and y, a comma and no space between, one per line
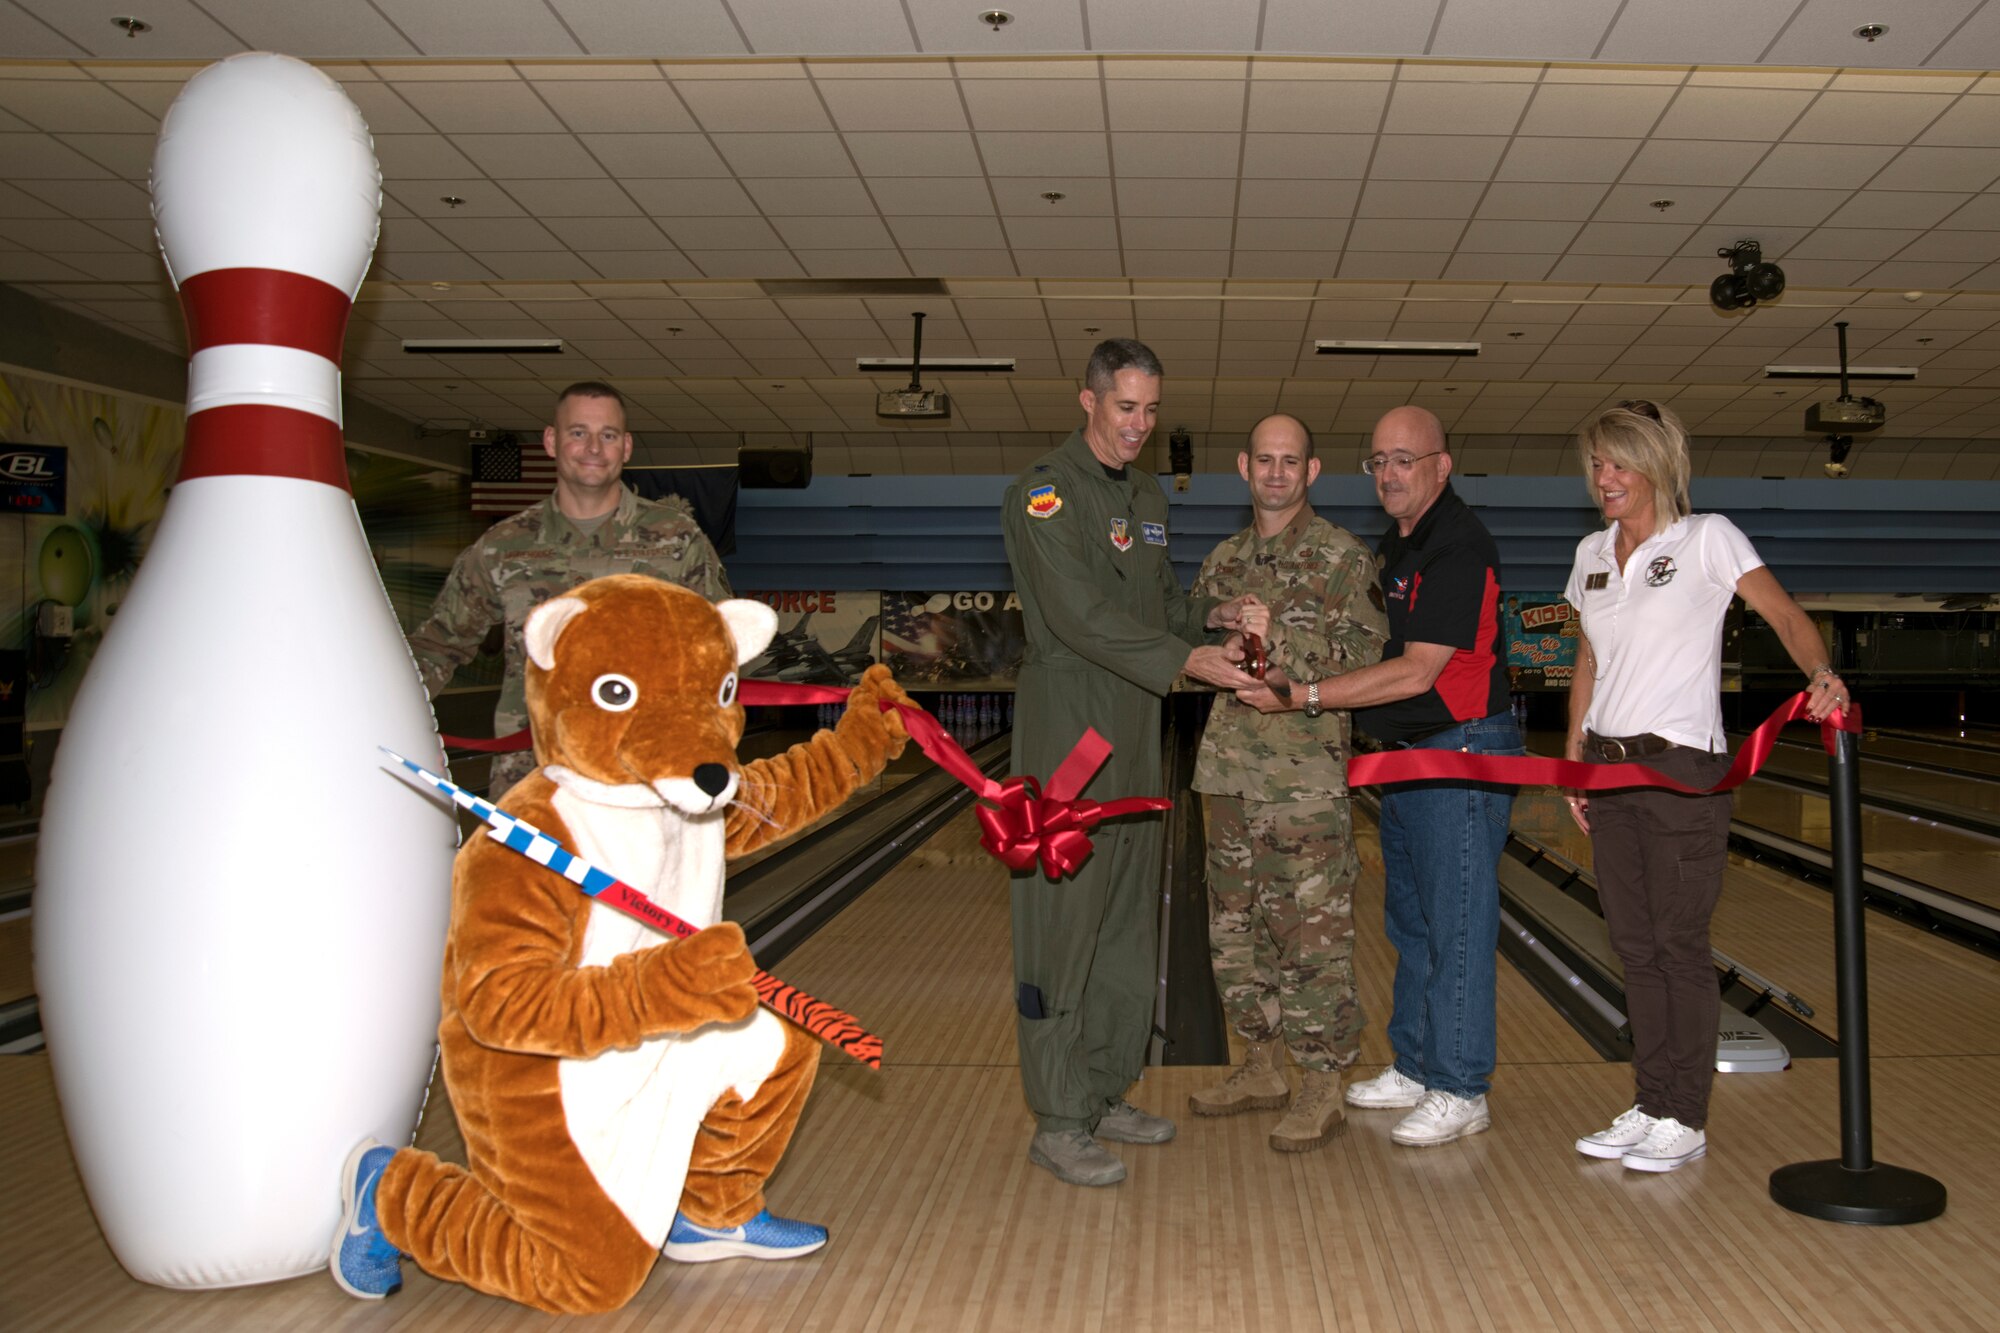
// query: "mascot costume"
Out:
[619,1091]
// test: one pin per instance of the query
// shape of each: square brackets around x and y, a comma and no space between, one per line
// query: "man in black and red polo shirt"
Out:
[1441,685]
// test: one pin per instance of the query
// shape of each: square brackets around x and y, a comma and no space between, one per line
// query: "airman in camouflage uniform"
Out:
[1281,860]
[590,526]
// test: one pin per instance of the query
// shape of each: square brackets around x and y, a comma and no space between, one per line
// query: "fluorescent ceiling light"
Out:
[1357,347]
[484,346]
[963,364]
[1833,372]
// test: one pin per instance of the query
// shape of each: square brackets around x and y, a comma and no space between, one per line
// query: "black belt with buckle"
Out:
[1619,749]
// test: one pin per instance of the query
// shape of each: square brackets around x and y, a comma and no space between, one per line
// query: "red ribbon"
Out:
[1368,770]
[1023,822]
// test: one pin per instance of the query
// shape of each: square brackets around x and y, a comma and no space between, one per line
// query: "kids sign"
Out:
[1541,640]
[34,479]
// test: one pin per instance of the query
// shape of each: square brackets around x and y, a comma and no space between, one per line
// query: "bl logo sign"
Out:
[33,478]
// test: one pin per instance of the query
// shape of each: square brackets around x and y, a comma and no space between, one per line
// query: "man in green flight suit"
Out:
[1109,630]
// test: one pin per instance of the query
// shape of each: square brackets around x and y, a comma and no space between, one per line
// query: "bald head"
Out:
[1411,464]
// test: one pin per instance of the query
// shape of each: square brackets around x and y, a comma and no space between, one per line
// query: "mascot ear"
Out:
[751,624]
[545,626]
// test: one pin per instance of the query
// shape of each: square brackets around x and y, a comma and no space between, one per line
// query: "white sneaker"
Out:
[1441,1117]
[1669,1146]
[1391,1087]
[1627,1131]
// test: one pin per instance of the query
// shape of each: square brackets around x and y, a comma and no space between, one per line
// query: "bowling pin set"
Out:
[239,916]
[970,718]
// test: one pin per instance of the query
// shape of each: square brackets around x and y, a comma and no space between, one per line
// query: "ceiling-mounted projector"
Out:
[1846,413]
[916,401]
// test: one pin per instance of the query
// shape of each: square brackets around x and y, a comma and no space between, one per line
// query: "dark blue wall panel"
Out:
[944,532]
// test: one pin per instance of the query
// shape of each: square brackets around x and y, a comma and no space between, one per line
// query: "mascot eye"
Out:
[727,695]
[614,693]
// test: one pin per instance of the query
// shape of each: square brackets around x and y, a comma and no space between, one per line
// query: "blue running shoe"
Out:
[762,1237]
[364,1263]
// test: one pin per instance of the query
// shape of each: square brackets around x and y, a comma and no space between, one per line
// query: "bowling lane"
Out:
[1929,853]
[1927,997]
[1972,759]
[1976,800]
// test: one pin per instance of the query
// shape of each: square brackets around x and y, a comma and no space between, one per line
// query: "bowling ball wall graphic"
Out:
[122,454]
[68,565]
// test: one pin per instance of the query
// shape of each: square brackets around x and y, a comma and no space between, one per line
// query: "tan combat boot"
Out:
[1259,1084]
[1316,1115]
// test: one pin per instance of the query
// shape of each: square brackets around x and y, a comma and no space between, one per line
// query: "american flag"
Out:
[510,474]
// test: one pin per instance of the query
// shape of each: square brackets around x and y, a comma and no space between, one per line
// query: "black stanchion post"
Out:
[1856,1188]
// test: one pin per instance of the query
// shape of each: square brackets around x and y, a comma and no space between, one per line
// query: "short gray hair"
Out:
[1116,354]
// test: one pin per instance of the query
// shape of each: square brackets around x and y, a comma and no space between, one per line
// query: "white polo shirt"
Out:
[1656,628]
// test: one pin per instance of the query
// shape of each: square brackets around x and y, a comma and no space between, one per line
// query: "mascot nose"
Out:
[711,778]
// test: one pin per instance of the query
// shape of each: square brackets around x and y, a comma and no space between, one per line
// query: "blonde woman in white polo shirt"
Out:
[1652,588]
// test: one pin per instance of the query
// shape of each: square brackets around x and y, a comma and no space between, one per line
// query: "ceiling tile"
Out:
[834,233]
[1732,113]
[1940,169]
[69,106]
[790,106]
[1160,106]
[1176,233]
[1081,197]
[1008,153]
[893,104]
[1551,201]
[571,198]
[1778,208]
[1432,199]
[1295,198]
[1299,106]
[1289,234]
[1061,233]
[503,107]
[1609,111]
[1692,32]
[1455,108]
[609,234]
[1562,32]
[1821,166]
[1573,160]
[842,196]
[402,157]
[1435,157]
[528,156]
[1311,156]
[1692,162]
[617,106]
[1518,237]
[955,195]
[655,155]
[1895,208]
[1404,234]
[1871,117]
[693,234]
[1135,153]
[771,154]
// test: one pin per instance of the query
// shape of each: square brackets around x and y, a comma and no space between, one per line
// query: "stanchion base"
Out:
[1881,1196]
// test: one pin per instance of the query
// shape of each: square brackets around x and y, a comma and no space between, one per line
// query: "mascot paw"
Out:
[864,709]
[710,974]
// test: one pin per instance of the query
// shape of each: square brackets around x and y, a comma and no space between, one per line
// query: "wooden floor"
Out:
[939,1222]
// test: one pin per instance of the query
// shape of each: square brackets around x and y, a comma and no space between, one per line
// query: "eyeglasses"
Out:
[1640,406]
[1395,462]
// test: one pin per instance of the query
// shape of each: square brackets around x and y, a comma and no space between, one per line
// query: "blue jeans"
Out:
[1441,846]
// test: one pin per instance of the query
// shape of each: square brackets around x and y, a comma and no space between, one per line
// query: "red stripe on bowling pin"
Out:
[264,376]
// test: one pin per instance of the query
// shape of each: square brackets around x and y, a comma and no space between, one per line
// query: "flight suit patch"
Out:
[1155,534]
[1043,502]
[1121,534]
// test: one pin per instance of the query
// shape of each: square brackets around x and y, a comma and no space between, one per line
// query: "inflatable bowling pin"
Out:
[239,916]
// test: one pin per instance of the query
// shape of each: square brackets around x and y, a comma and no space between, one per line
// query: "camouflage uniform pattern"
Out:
[1281,859]
[1281,924]
[534,555]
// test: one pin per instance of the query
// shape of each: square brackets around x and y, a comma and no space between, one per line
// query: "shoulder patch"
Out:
[1154,533]
[1043,502]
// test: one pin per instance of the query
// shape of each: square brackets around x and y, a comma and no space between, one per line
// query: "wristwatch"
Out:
[1312,700]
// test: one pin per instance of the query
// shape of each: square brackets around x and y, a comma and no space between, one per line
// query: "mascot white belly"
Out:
[632,1114]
